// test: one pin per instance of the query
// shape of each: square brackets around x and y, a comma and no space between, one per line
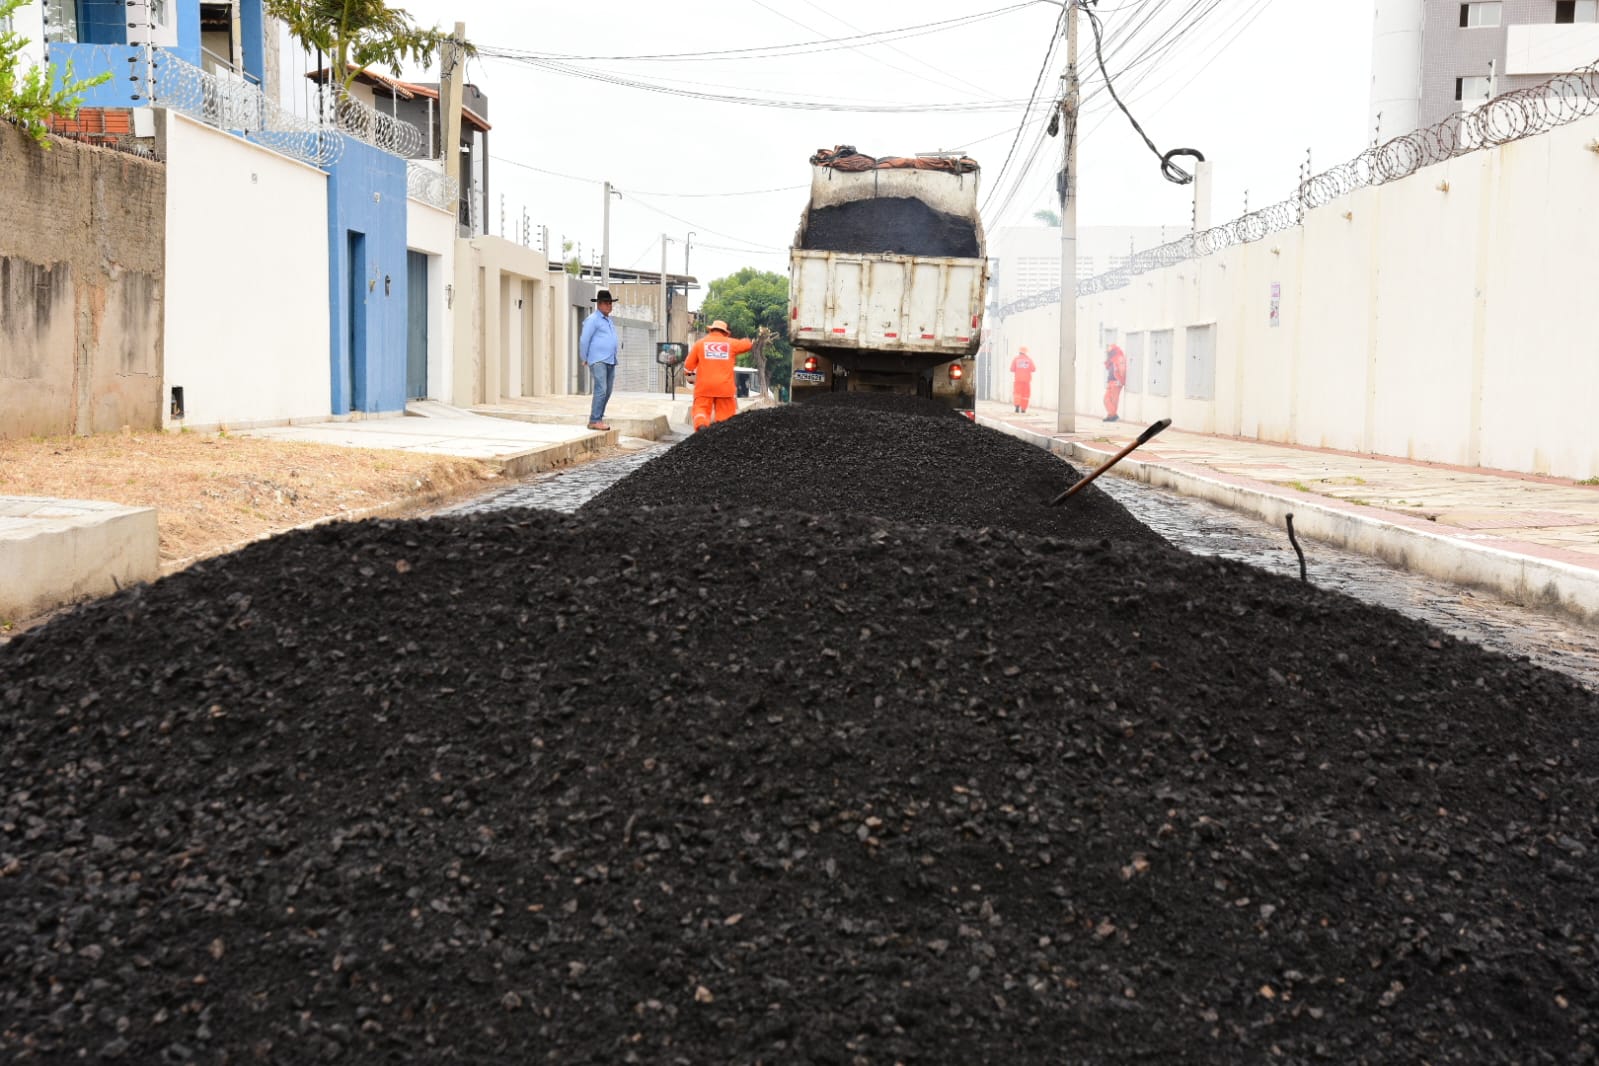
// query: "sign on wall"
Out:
[1276,304]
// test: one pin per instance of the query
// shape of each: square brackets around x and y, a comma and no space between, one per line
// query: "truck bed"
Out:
[913,305]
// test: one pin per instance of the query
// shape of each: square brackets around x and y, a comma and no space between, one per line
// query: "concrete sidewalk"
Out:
[519,436]
[1532,540]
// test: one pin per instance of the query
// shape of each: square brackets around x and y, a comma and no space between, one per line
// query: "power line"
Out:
[597,181]
[696,226]
[769,51]
[947,75]
[1049,54]
[759,101]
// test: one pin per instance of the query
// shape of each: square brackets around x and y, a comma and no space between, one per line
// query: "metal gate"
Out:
[416,326]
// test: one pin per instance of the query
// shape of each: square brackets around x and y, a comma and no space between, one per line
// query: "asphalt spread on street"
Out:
[691,777]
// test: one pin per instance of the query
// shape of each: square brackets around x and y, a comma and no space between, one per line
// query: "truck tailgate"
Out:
[888,303]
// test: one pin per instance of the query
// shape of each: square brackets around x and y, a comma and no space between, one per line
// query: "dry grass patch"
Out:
[214,492]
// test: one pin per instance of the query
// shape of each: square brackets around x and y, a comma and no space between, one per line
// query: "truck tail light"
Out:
[955,372]
[810,364]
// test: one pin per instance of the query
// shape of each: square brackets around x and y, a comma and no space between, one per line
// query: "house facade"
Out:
[1434,58]
[314,262]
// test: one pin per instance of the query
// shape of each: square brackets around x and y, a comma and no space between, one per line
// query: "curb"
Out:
[546,456]
[1460,556]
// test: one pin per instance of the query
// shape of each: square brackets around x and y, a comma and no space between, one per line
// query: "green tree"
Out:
[31,98]
[357,34]
[1047,217]
[746,301]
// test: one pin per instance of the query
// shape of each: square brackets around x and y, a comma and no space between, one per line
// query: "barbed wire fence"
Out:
[1512,116]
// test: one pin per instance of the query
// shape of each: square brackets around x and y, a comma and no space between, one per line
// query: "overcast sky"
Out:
[1251,83]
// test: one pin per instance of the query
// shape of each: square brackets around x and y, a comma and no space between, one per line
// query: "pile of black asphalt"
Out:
[883,455]
[716,781]
[889,225]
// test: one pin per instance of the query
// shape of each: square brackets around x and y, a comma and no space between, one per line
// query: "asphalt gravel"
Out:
[721,782]
[896,457]
[889,225]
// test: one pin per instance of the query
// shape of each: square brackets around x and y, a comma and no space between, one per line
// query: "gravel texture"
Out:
[889,225]
[896,457]
[729,784]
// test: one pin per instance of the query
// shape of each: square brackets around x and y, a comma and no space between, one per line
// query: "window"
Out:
[60,20]
[1577,10]
[1481,14]
[1471,90]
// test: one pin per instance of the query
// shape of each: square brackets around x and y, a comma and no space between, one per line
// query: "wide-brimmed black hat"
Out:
[604,297]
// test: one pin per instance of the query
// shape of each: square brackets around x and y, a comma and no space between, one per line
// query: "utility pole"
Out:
[452,80]
[664,240]
[1066,391]
[605,251]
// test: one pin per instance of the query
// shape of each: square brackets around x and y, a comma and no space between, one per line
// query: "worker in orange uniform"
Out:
[1115,379]
[1022,391]
[711,361]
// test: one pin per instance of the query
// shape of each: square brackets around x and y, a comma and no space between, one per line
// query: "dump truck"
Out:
[887,278]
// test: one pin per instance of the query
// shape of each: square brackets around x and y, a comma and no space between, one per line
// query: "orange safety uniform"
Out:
[1115,380]
[1022,391]
[711,361]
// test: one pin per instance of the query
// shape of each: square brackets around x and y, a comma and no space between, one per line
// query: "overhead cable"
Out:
[1170,170]
[770,51]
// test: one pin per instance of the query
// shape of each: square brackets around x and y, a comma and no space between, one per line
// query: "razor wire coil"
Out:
[231,104]
[1512,116]
[431,186]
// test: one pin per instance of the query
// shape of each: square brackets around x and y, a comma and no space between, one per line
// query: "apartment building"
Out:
[1433,58]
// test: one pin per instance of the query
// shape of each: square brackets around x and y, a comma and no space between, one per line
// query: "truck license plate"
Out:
[810,377]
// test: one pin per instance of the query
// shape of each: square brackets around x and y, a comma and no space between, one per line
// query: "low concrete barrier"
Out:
[56,552]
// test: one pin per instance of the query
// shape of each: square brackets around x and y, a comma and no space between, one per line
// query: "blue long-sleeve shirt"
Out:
[597,343]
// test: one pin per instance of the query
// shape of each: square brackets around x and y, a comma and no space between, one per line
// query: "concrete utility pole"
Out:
[1066,392]
[605,250]
[664,241]
[452,67]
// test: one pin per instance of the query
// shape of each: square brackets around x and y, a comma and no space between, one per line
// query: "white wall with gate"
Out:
[431,232]
[1448,317]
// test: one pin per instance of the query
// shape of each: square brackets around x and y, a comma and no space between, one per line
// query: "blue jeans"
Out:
[604,377]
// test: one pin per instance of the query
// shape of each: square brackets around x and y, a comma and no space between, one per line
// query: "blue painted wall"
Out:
[187,12]
[367,299]
[252,27]
[87,60]
[102,45]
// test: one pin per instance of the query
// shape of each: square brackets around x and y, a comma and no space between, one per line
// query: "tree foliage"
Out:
[31,98]
[748,300]
[1047,217]
[357,34]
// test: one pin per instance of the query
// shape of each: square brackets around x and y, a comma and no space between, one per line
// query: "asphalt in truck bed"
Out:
[687,777]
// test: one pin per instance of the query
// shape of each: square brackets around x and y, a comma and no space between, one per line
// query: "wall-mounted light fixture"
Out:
[1443,186]
[377,198]
[1349,216]
[387,284]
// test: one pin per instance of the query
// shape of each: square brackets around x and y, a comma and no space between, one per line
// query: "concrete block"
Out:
[55,552]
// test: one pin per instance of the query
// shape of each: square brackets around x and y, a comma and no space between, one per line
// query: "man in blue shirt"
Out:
[598,346]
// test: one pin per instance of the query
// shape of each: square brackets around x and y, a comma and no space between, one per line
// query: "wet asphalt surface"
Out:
[1206,529]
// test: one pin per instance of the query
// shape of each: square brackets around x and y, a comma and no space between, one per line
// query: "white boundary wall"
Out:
[247,282]
[1457,325]
[431,230]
